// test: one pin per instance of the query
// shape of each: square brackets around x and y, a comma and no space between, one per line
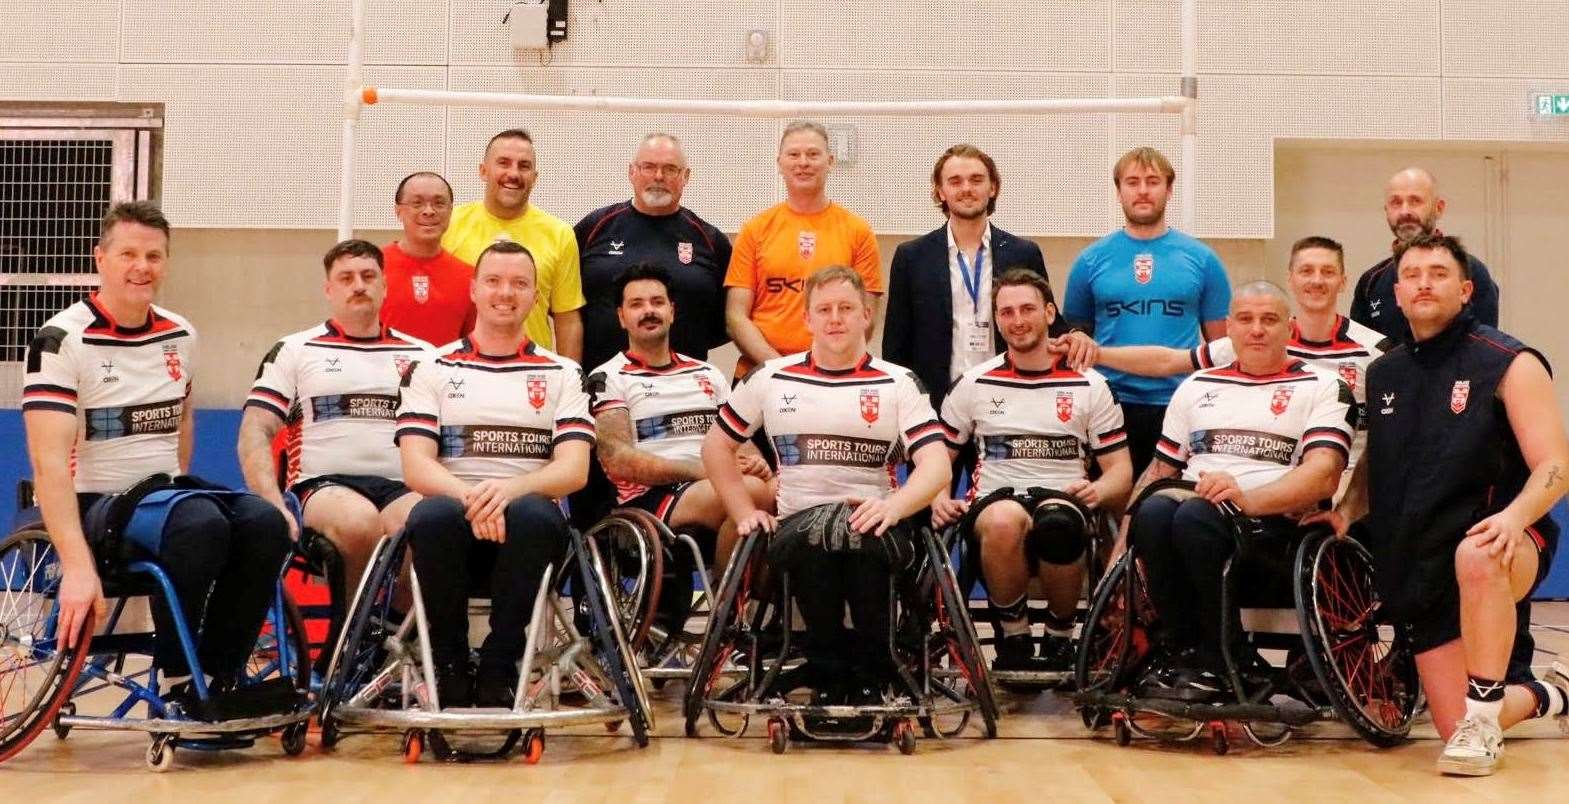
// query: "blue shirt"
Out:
[1147,292]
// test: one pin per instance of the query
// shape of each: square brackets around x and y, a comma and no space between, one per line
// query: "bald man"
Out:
[1412,206]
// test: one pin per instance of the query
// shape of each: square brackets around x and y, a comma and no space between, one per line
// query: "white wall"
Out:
[253,93]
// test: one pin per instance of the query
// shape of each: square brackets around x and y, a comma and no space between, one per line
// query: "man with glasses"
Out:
[427,287]
[653,227]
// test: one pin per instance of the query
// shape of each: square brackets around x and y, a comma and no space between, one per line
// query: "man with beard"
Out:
[1036,423]
[1412,206]
[944,275]
[654,228]
[1146,284]
[510,171]
[652,406]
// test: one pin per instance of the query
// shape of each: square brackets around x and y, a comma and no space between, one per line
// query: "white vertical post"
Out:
[1190,90]
[351,115]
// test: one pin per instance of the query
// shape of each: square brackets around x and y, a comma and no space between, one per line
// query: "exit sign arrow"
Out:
[1550,104]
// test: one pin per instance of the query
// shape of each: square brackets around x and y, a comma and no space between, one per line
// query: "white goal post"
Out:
[357,95]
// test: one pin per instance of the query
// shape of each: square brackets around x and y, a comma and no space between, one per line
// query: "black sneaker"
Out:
[455,685]
[1058,653]
[1201,685]
[496,685]
[1017,653]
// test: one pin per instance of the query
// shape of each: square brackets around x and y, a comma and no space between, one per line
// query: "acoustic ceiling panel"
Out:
[58,81]
[1520,38]
[629,33]
[52,30]
[282,32]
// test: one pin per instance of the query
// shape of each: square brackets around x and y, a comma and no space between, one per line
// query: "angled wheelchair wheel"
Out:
[282,648]
[37,676]
[361,650]
[1362,662]
[952,616]
[1115,640]
[632,555]
[725,623]
[611,649]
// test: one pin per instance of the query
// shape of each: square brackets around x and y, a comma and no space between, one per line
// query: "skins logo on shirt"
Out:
[1280,400]
[421,289]
[871,401]
[1143,268]
[171,360]
[684,253]
[1348,372]
[1459,396]
[536,390]
[1064,406]
[806,243]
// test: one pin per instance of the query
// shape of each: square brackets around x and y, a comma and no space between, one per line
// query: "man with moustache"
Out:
[1146,284]
[947,275]
[1037,423]
[1466,456]
[1412,207]
[782,246]
[332,390]
[427,287]
[505,214]
[653,227]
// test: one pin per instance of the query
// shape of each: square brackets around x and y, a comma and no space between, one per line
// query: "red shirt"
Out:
[427,298]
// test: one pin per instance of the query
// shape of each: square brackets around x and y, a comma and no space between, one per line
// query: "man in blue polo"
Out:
[1147,284]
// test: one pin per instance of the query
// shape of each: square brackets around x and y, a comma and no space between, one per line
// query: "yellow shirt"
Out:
[548,238]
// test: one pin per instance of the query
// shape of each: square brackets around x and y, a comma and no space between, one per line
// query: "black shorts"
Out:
[379,490]
[661,500]
[1439,627]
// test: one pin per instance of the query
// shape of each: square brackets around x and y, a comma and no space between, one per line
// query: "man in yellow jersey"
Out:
[509,171]
[765,306]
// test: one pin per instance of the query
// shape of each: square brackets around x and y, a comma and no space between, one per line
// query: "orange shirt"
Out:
[427,298]
[776,252]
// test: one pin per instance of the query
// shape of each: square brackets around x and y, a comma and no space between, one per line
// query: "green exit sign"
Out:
[1550,105]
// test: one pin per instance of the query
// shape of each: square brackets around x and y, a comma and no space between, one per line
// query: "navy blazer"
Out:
[918,332]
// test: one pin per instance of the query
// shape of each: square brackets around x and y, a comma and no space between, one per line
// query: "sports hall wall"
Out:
[1303,113]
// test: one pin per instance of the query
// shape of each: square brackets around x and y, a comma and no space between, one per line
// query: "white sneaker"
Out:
[1558,676]
[1475,748]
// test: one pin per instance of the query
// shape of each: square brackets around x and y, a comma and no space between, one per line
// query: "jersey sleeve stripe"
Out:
[572,435]
[46,390]
[1345,452]
[1170,450]
[609,404]
[1173,461]
[923,429]
[565,426]
[417,418]
[267,405]
[932,437]
[733,425]
[46,404]
[1327,433]
[264,391]
[413,431]
[1200,358]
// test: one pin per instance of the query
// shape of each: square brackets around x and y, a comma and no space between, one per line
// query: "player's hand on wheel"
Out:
[946,511]
[80,593]
[1334,519]
[755,520]
[1220,487]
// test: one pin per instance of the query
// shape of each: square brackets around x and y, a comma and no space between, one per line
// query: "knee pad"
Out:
[1059,531]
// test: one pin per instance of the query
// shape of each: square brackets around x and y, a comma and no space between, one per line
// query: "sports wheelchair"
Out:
[751,646]
[1343,659]
[651,569]
[960,541]
[45,685]
[382,675]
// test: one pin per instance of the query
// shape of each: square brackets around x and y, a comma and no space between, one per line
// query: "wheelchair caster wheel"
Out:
[778,736]
[160,755]
[329,733]
[1218,741]
[904,737]
[1119,727]
[294,739]
[413,746]
[1094,717]
[613,726]
[60,729]
[533,746]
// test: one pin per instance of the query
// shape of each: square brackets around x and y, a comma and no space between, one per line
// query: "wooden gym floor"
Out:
[1043,752]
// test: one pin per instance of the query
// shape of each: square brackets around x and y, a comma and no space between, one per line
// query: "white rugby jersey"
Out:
[1347,354]
[1033,428]
[494,417]
[838,433]
[671,406]
[338,395]
[127,386]
[1256,428]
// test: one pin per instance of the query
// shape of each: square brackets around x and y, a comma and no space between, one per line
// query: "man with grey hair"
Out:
[653,227]
[1412,207]
[1265,437]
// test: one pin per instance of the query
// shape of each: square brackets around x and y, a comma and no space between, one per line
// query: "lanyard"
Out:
[972,284]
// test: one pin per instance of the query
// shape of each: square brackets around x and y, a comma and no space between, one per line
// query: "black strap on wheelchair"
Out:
[104,522]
